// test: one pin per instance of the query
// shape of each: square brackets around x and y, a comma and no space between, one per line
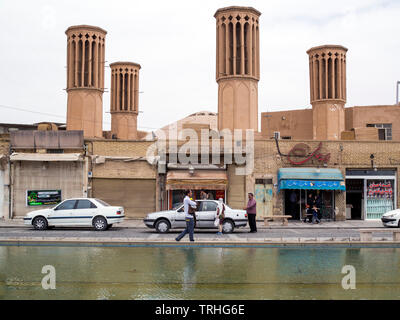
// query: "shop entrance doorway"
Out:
[354,198]
[296,201]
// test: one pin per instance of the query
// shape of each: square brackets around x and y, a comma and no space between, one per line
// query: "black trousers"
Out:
[252,221]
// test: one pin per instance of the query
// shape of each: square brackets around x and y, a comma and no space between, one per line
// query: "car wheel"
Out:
[40,223]
[228,226]
[99,224]
[163,226]
[399,223]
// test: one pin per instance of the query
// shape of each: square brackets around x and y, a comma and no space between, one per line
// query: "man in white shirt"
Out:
[189,218]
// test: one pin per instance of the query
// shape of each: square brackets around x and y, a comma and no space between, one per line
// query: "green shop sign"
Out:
[43,197]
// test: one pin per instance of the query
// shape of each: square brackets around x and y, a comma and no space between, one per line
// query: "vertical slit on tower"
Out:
[93,63]
[330,92]
[126,92]
[132,92]
[323,80]
[238,48]
[73,63]
[136,95]
[230,48]
[80,63]
[318,79]
[120,96]
[86,66]
[246,48]
[223,41]
[337,79]
[253,58]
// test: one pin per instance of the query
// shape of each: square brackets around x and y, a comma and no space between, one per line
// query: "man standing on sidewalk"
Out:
[251,212]
[189,218]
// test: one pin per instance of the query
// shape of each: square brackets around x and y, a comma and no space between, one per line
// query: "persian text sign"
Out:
[43,197]
[300,154]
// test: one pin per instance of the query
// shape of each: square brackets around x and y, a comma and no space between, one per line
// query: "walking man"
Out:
[189,217]
[251,212]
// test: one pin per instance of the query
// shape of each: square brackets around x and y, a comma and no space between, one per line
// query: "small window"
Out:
[209,206]
[384,130]
[85,204]
[263,181]
[66,205]
[55,151]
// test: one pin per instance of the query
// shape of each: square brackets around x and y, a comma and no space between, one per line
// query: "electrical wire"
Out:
[63,117]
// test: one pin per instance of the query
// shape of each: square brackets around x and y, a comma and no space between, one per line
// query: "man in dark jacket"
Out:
[251,212]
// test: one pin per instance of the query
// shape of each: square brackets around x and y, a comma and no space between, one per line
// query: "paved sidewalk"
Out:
[348,224]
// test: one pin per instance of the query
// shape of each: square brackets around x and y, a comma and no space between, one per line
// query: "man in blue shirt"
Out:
[189,218]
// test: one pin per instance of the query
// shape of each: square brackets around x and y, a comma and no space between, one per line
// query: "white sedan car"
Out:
[391,218]
[206,211]
[80,212]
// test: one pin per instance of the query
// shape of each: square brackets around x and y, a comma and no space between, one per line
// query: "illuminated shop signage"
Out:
[300,154]
[43,197]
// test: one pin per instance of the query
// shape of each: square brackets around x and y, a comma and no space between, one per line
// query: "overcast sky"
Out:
[174,42]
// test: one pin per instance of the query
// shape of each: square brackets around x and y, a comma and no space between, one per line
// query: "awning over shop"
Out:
[46,157]
[200,179]
[311,179]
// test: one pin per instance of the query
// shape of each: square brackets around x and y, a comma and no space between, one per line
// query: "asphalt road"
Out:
[121,232]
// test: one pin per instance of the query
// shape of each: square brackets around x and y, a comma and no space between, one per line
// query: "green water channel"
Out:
[259,273]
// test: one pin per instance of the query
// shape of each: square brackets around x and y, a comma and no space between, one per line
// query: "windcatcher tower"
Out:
[85,79]
[124,99]
[328,90]
[238,67]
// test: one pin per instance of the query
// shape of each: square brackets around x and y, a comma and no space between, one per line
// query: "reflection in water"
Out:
[198,273]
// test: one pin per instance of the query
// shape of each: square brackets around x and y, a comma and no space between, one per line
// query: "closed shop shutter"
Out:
[2,212]
[236,189]
[137,196]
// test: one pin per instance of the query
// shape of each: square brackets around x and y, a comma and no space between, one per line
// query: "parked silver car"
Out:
[206,211]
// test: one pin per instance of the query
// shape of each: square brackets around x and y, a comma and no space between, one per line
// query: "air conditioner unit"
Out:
[277,135]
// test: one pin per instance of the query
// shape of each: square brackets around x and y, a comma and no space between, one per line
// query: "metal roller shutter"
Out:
[137,196]
[236,189]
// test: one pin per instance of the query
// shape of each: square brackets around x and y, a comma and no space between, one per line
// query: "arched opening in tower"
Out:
[230,31]
[80,51]
[238,48]
[86,66]
[246,48]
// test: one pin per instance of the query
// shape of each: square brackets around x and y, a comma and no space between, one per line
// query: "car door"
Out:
[208,210]
[61,214]
[83,212]
[179,218]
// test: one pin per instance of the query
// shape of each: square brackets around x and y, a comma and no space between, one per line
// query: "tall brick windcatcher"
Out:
[85,79]
[238,67]
[124,101]
[328,90]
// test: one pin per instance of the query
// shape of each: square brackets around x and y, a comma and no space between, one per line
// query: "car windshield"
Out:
[103,202]
[176,205]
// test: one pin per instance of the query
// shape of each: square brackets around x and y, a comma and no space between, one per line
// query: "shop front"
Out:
[41,181]
[298,184]
[370,193]
[212,182]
